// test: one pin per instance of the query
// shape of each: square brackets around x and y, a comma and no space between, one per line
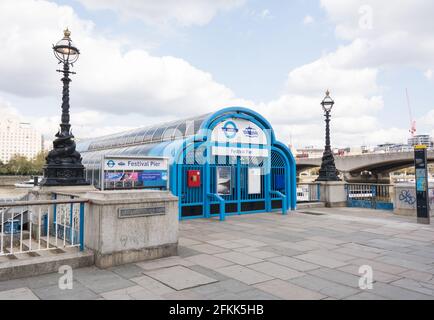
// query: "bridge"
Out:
[378,164]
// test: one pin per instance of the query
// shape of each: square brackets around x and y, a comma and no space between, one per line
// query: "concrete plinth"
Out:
[404,202]
[129,226]
[333,194]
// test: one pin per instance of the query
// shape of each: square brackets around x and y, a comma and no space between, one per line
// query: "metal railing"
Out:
[308,192]
[32,226]
[222,205]
[374,196]
[282,198]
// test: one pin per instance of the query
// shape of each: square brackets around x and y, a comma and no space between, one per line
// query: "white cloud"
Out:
[265,14]
[378,34]
[163,12]
[308,20]
[391,34]
[109,78]
[428,74]
[116,88]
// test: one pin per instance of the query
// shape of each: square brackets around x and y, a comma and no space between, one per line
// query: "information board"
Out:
[134,172]
[254,181]
[421,170]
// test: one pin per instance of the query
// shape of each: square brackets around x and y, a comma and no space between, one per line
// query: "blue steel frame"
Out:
[206,198]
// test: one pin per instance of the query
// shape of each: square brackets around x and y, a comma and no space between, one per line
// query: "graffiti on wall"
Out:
[407,197]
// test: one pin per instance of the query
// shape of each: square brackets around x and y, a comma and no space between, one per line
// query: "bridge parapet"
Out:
[378,164]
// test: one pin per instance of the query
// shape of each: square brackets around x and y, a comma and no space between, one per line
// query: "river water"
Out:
[12,192]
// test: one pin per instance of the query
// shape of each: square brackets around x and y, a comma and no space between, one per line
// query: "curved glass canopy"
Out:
[153,134]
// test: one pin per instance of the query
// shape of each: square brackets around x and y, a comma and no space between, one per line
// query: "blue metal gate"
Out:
[274,185]
[370,196]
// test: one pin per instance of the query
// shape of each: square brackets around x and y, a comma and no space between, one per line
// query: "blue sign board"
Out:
[153,178]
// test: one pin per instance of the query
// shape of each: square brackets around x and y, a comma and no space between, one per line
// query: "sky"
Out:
[144,62]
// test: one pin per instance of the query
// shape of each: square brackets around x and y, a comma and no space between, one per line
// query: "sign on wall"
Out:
[224,180]
[254,181]
[134,173]
[239,131]
[242,152]
[135,164]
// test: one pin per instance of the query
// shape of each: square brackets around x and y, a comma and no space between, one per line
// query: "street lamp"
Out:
[328,170]
[63,164]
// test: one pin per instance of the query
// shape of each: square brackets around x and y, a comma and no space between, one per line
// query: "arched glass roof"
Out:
[153,134]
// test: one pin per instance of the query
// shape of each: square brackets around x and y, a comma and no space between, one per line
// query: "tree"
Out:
[20,165]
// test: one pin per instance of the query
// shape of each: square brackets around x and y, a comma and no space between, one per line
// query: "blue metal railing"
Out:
[222,205]
[282,197]
[372,196]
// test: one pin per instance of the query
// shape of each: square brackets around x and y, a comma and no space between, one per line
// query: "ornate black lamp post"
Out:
[328,170]
[63,164]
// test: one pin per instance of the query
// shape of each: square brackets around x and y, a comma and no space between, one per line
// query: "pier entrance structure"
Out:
[229,158]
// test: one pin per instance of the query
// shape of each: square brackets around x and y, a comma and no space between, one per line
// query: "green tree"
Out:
[20,165]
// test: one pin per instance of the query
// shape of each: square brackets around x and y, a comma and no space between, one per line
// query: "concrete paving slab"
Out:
[250,242]
[365,295]
[238,258]
[377,274]
[164,263]
[152,285]
[321,260]
[288,291]
[184,295]
[243,274]
[228,244]
[130,293]
[256,294]
[328,288]
[418,286]
[418,275]
[397,293]
[275,270]
[179,277]
[261,254]
[208,248]
[127,271]
[294,263]
[208,272]
[78,292]
[18,294]
[183,241]
[99,280]
[380,266]
[337,276]
[209,261]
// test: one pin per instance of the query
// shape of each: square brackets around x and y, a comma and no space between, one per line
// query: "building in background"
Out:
[18,138]
[422,139]
[392,147]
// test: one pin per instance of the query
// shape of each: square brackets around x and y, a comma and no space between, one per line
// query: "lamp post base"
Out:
[64,175]
[328,170]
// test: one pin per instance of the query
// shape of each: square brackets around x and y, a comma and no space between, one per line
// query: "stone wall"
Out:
[8,181]
[404,201]
[130,226]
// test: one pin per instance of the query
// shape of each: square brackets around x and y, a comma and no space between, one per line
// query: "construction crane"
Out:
[412,122]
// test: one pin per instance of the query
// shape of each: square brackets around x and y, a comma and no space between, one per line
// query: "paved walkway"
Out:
[310,255]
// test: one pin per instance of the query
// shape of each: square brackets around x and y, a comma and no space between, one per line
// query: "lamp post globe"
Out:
[328,171]
[63,165]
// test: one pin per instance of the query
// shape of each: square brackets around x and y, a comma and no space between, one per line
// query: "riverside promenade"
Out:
[308,254]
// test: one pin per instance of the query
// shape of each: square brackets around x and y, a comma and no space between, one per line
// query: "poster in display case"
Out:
[254,180]
[224,180]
